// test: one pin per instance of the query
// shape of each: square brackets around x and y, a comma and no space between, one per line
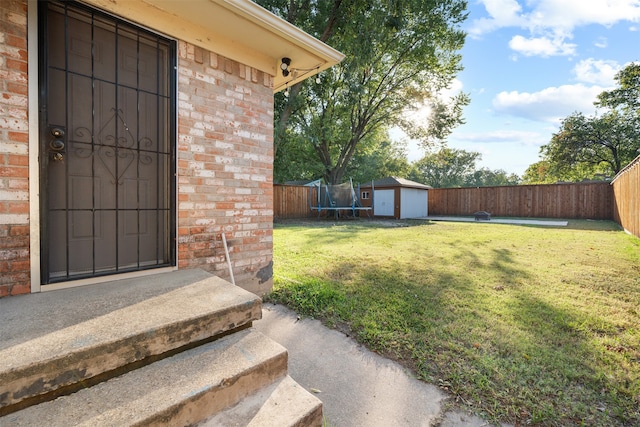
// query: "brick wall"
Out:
[225,159]
[14,155]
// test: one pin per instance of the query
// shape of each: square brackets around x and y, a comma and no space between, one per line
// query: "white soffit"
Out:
[237,29]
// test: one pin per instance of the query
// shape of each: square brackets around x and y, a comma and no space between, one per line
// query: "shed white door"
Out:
[413,203]
[383,202]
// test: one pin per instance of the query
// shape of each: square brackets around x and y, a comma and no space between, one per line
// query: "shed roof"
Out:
[393,181]
[237,29]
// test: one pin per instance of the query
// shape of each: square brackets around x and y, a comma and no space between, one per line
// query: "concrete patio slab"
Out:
[517,221]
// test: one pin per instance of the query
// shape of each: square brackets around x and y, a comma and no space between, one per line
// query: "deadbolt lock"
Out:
[56,142]
[57,132]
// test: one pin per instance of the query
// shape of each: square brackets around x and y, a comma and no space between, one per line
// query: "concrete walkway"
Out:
[517,221]
[357,387]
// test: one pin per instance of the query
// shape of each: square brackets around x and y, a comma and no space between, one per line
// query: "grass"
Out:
[520,324]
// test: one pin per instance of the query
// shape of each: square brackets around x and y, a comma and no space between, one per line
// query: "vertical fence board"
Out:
[291,201]
[580,201]
[626,190]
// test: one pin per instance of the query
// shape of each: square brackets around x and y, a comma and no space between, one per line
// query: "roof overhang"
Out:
[237,29]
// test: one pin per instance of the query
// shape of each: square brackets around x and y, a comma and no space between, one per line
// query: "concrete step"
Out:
[58,361]
[284,404]
[180,390]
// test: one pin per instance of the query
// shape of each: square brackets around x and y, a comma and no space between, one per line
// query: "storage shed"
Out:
[397,198]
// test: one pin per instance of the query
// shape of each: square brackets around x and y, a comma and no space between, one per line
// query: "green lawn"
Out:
[518,323]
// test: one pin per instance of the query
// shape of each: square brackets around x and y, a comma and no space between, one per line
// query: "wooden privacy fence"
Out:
[618,201]
[626,190]
[579,201]
[291,201]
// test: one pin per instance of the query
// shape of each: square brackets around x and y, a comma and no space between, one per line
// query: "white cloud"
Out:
[526,138]
[502,13]
[548,105]
[601,43]
[454,88]
[541,46]
[551,22]
[596,71]
[554,14]
[573,13]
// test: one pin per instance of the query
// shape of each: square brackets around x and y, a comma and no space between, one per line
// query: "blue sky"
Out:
[530,63]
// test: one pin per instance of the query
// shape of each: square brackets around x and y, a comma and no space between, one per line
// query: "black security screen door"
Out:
[107,145]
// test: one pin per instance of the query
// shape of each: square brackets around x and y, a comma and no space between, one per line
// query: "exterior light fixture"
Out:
[284,66]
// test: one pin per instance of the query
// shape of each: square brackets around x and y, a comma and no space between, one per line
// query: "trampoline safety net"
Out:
[336,198]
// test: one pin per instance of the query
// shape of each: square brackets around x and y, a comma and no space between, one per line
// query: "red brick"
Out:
[20,266]
[19,136]
[19,207]
[18,41]
[21,288]
[11,242]
[18,160]
[19,230]
[13,64]
[14,172]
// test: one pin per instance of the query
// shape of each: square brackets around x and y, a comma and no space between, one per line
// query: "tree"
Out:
[601,144]
[541,173]
[538,173]
[400,55]
[590,145]
[627,96]
[377,160]
[485,177]
[377,157]
[296,161]
[446,168]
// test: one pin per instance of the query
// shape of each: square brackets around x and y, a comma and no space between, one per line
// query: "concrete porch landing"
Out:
[170,349]
[25,317]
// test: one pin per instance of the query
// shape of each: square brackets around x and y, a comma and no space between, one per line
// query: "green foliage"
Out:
[627,96]
[296,161]
[446,168]
[538,173]
[609,141]
[398,54]
[449,168]
[525,325]
[542,173]
[377,159]
[485,177]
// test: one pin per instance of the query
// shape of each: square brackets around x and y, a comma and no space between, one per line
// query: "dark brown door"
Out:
[107,138]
